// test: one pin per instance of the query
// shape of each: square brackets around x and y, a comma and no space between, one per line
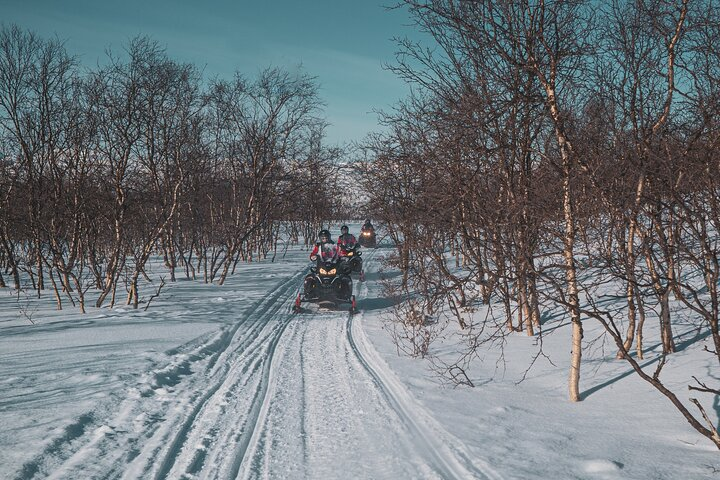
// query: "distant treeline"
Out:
[555,152]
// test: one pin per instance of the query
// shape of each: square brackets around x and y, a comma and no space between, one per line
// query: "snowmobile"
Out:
[367,238]
[353,259]
[328,284]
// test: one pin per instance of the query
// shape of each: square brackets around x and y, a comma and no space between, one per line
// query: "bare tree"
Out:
[260,130]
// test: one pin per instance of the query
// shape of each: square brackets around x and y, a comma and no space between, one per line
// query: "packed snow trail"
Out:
[275,395]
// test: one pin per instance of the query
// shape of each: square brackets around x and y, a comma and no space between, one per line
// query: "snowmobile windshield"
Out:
[327,252]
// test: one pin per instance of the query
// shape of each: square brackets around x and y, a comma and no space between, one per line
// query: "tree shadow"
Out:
[615,379]
[680,345]
[382,275]
[380,303]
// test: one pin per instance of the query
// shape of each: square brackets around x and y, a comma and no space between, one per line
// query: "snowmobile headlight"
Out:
[350,254]
[327,272]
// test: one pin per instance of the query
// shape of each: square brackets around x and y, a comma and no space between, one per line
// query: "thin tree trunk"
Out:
[632,320]
[572,289]
[80,292]
[666,327]
[641,323]
[58,300]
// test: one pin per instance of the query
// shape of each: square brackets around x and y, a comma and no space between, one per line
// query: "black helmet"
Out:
[324,235]
[344,229]
[367,222]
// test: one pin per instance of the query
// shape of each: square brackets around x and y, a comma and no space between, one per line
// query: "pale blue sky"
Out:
[344,43]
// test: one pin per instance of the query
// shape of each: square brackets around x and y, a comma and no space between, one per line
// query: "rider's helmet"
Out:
[324,236]
[344,229]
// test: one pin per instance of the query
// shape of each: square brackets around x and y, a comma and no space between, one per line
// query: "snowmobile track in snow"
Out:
[246,345]
[225,405]
[448,460]
[200,374]
[440,453]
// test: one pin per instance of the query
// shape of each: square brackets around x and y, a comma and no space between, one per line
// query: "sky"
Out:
[343,43]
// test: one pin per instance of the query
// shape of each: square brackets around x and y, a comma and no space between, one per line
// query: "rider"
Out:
[346,240]
[325,247]
[367,226]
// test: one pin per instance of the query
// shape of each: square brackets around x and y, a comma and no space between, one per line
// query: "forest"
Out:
[549,149]
[101,169]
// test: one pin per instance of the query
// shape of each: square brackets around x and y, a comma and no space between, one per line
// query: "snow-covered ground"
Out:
[226,382]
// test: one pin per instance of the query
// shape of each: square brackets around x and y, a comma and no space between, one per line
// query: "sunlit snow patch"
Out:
[602,466]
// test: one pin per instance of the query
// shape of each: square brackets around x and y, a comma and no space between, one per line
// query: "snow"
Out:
[226,382]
